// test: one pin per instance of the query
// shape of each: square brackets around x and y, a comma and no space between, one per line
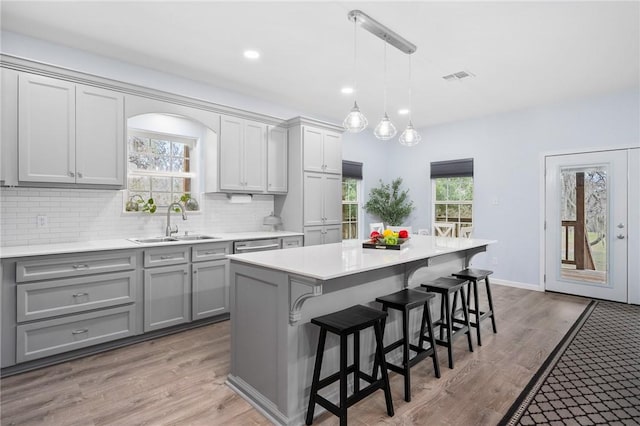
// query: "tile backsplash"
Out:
[84,215]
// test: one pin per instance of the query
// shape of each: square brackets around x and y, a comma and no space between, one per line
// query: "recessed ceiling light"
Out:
[347,90]
[403,111]
[251,54]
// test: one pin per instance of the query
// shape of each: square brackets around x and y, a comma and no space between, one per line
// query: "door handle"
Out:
[621,225]
[620,237]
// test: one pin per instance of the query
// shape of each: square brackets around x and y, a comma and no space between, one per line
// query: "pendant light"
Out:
[385,129]
[355,121]
[410,136]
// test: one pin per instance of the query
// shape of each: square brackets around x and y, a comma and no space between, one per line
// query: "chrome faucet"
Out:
[169,230]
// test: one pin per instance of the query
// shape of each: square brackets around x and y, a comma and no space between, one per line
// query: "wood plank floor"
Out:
[179,379]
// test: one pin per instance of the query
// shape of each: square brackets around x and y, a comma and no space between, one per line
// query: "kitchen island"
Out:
[274,295]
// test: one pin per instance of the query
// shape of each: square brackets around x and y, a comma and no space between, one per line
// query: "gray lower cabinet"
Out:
[209,289]
[44,338]
[60,303]
[166,296]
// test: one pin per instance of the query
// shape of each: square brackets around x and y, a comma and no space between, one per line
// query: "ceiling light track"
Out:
[379,30]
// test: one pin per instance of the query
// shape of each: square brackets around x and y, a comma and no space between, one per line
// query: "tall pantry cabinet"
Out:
[313,204]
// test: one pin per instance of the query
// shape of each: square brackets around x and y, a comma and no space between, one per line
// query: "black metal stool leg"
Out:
[316,376]
[376,364]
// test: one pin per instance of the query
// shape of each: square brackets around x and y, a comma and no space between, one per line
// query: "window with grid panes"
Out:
[453,201]
[159,166]
[350,208]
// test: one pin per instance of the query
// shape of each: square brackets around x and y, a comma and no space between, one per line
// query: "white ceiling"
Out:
[522,53]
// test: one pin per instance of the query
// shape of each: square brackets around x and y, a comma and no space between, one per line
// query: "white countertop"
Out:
[330,261]
[122,243]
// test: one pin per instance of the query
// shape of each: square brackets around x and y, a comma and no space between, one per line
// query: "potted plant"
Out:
[390,203]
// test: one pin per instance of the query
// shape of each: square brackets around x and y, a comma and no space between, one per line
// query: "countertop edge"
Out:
[10,252]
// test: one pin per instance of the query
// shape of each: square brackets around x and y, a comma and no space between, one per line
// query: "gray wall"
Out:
[507,150]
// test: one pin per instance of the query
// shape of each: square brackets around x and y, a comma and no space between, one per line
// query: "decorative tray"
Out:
[382,246]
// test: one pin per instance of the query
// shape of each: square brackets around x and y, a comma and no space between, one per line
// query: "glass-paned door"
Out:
[586,219]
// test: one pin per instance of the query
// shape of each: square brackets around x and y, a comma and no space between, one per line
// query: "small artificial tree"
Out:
[389,203]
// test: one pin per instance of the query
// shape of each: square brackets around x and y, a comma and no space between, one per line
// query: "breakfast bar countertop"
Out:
[328,261]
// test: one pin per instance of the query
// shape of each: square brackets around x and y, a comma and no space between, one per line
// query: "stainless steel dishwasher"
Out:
[251,246]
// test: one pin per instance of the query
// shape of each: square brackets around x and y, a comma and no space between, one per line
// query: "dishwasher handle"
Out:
[256,248]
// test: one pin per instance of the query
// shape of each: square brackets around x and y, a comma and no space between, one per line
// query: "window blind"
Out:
[452,168]
[351,169]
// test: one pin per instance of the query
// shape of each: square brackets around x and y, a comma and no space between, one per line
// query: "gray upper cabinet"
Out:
[99,136]
[322,150]
[243,146]
[277,159]
[69,133]
[46,130]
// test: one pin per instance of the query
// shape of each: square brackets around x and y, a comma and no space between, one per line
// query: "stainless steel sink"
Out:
[153,240]
[195,237]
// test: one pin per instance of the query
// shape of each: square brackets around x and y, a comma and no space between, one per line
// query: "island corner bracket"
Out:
[300,289]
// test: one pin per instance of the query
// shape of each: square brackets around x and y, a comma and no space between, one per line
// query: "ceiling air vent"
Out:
[457,76]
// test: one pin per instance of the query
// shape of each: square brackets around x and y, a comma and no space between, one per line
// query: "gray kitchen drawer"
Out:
[46,299]
[76,265]
[44,338]
[210,251]
[165,256]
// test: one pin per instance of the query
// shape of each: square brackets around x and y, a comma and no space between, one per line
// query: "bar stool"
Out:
[404,301]
[473,276]
[343,323]
[445,287]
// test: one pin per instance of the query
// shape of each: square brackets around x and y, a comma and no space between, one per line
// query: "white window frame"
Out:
[358,202]
[189,141]
[435,202]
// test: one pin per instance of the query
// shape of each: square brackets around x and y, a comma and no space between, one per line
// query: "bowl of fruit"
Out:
[388,239]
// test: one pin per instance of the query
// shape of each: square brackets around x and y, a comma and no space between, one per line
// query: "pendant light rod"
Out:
[379,30]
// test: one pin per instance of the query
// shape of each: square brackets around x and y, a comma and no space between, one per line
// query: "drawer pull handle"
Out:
[165,257]
[81,266]
[210,252]
[80,331]
[80,294]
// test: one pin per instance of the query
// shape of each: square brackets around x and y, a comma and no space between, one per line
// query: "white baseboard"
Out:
[516,284]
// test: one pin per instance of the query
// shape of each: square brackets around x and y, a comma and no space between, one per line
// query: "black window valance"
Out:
[351,169]
[452,168]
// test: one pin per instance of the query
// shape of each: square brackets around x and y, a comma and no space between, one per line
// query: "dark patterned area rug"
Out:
[592,377]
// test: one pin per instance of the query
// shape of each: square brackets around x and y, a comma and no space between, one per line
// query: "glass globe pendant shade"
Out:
[385,129]
[355,121]
[410,136]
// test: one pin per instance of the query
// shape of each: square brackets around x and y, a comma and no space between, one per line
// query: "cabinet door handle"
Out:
[80,175]
[71,174]
[80,331]
[80,294]
[195,272]
[80,266]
